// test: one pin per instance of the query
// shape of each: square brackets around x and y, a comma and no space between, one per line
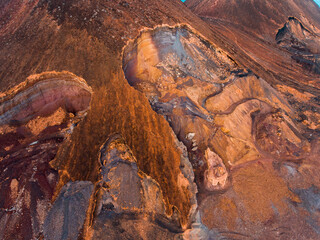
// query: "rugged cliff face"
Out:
[139,120]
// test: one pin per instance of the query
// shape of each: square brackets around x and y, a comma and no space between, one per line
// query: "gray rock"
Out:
[131,204]
[67,215]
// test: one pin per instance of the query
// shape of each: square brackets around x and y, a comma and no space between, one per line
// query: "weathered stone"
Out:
[216,175]
[127,187]
[132,203]
[68,213]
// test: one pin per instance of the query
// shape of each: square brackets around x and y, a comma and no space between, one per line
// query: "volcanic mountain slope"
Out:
[282,47]
[236,127]
[259,17]
[136,120]
[303,43]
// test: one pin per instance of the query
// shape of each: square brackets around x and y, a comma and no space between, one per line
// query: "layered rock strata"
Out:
[36,117]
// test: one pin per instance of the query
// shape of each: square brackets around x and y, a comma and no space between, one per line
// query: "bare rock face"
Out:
[216,175]
[36,117]
[68,213]
[127,187]
[131,203]
[303,43]
[40,95]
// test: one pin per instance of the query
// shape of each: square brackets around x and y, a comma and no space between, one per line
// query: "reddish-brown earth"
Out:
[147,120]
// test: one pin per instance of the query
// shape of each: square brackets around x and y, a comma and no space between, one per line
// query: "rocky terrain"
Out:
[303,43]
[159,119]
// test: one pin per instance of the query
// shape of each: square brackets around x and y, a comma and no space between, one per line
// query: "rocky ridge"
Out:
[303,43]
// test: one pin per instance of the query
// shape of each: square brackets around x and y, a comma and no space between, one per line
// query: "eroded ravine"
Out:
[225,119]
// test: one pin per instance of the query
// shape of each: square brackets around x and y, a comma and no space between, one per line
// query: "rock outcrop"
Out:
[170,64]
[177,71]
[130,203]
[40,95]
[67,215]
[36,117]
[303,43]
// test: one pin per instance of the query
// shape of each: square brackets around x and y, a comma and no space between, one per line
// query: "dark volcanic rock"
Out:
[303,43]
[68,213]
